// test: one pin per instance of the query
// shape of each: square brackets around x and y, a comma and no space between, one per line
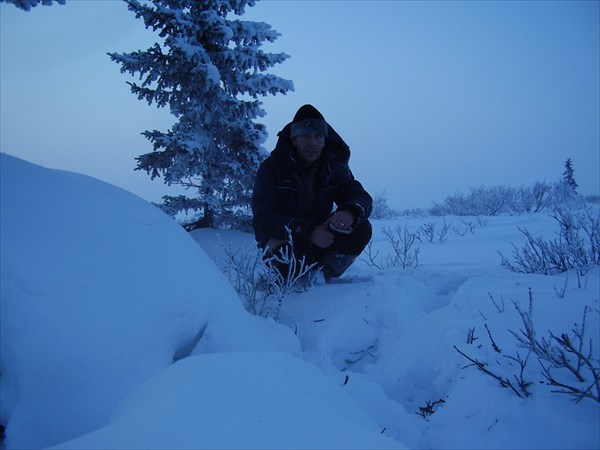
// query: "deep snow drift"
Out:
[118,330]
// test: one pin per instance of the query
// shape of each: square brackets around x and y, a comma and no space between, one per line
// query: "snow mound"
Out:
[99,292]
[243,400]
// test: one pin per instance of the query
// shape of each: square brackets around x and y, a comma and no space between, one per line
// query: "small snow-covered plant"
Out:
[577,247]
[281,283]
[256,278]
[443,233]
[469,225]
[405,255]
[372,258]
[428,230]
[402,241]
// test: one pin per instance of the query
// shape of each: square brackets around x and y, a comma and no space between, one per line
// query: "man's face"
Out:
[309,146]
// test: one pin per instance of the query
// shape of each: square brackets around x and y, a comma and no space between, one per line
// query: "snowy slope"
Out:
[238,400]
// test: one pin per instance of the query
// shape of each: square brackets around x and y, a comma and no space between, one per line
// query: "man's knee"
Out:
[354,243]
[364,232]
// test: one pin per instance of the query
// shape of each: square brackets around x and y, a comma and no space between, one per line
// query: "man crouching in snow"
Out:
[295,192]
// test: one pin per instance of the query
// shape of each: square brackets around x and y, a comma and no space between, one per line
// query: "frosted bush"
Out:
[496,200]
[381,209]
[260,284]
[577,246]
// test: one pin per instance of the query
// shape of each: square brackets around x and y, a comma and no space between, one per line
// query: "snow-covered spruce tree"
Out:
[568,175]
[207,69]
[28,4]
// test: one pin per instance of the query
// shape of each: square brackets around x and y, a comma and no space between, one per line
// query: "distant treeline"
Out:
[495,200]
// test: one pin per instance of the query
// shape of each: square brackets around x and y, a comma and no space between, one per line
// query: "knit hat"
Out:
[308,120]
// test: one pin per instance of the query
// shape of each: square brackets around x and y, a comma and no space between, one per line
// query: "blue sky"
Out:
[432,97]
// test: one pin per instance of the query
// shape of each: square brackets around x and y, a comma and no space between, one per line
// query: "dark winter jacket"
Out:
[280,197]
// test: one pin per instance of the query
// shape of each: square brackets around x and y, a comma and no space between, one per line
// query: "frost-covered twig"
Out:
[494,345]
[296,269]
[428,230]
[524,385]
[443,234]
[372,257]
[471,336]
[561,293]
[359,355]
[243,269]
[499,306]
[504,382]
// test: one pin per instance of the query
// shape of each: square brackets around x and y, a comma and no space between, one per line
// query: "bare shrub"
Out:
[577,247]
[496,200]
[405,254]
[488,201]
[469,226]
[428,230]
[443,233]
[381,210]
[541,192]
[402,241]
[567,360]
[570,353]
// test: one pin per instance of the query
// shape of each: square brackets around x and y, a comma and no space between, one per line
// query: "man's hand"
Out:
[321,236]
[342,220]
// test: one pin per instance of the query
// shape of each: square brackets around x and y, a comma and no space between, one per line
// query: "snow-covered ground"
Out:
[119,331]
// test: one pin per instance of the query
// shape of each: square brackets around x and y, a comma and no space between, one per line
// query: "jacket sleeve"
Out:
[351,196]
[348,193]
[269,220]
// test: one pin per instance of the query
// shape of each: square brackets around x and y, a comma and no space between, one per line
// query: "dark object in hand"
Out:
[340,230]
